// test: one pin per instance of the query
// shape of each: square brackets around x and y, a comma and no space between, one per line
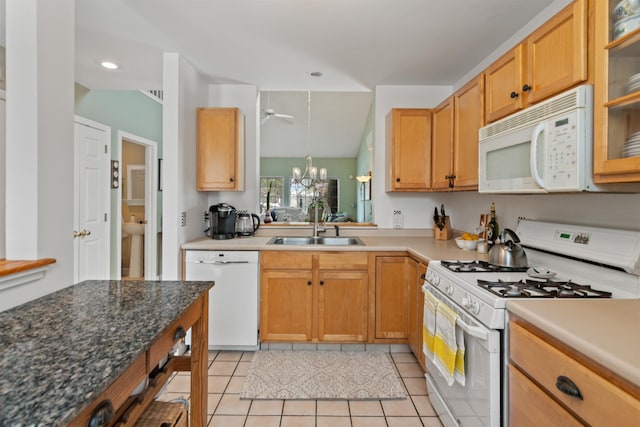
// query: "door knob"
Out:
[82,233]
[513,95]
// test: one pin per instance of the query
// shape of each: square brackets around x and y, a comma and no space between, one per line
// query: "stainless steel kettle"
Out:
[246,223]
[508,253]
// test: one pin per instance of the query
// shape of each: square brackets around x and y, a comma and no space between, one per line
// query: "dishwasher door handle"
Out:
[222,262]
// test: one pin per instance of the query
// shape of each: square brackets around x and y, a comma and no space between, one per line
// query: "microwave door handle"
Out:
[533,160]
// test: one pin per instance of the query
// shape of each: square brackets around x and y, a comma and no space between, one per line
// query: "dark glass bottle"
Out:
[493,229]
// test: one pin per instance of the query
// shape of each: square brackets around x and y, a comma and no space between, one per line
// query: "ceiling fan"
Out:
[269,113]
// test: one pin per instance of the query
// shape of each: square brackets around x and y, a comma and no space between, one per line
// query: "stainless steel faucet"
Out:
[316,226]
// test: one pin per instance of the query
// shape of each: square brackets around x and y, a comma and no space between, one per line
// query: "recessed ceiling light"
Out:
[109,65]
[316,74]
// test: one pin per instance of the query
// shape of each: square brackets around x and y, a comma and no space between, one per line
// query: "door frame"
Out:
[150,205]
[105,182]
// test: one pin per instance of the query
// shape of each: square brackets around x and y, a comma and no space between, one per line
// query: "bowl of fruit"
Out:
[468,241]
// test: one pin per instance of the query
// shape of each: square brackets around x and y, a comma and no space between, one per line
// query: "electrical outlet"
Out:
[397,218]
[183,219]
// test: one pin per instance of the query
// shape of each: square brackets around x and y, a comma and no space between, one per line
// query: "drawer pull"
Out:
[567,386]
[101,415]
[179,333]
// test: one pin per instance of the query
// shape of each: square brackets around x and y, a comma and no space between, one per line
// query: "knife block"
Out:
[445,233]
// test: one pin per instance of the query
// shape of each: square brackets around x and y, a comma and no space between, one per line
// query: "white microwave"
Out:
[545,148]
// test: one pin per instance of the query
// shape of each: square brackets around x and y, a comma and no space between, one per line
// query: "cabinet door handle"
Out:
[397,179]
[309,282]
[526,88]
[101,416]
[231,179]
[514,95]
[568,387]
[321,282]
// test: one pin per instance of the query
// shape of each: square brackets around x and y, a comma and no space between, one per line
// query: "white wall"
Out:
[598,209]
[40,69]
[244,97]
[2,178]
[413,205]
[184,91]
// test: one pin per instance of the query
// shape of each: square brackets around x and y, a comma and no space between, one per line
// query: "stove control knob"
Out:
[475,307]
[449,290]
[465,301]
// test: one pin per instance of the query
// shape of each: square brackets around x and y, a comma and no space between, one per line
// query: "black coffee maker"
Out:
[222,221]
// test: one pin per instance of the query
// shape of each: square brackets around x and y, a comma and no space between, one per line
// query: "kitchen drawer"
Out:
[343,261]
[285,260]
[530,406]
[160,347]
[117,393]
[602,402]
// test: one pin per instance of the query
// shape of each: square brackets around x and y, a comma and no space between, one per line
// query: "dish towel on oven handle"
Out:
[429,323]
[459,370]
[445,347]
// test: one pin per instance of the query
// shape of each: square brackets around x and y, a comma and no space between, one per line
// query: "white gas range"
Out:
[564,261]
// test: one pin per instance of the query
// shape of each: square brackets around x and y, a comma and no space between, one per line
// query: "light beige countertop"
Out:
[607,331]
[419,243]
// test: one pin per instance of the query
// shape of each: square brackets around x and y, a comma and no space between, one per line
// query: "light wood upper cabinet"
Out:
[442,154]
[557,53]
[468,119]
[553,58]
[314,296]
[220,149]
[616,101]
[504,80]
[408,150]
[455,126]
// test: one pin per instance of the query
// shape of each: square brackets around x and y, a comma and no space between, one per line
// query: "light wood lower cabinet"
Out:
[559,383]
[530,406]
[416,313]
[393,275]
[314,296]
[342,306]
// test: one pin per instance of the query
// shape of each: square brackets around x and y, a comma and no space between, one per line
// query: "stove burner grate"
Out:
[541,289]
[479,267]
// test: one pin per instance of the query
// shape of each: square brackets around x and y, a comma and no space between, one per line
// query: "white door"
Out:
[91,201]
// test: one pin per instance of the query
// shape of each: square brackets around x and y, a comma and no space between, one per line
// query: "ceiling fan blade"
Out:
[284,116]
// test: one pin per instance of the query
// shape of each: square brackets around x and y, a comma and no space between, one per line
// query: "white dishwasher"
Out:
[233,300]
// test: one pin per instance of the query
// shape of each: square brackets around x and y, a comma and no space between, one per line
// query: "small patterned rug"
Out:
[322,375]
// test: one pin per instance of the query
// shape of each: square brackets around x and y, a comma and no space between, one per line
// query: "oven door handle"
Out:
[474,331]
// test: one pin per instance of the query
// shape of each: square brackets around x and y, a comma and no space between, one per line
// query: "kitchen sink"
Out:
[330,241]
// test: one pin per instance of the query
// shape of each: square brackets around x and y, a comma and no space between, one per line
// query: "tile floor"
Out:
[227,370]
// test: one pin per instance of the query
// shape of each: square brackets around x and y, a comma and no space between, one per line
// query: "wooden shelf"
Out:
[8,267]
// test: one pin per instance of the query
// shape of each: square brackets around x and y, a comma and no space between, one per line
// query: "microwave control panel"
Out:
[563,151]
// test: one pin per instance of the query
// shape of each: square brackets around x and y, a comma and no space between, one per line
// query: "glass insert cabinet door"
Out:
[617,91]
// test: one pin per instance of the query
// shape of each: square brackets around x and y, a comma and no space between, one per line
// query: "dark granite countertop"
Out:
[59,352]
